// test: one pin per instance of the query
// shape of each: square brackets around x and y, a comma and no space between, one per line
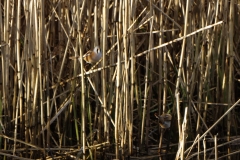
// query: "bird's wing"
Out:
[86,54]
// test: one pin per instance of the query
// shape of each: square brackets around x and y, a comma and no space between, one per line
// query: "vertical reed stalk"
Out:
[215,147]
[83,132]
[104,63]
[230,86]
[117,107]
[180,69]
[132,17]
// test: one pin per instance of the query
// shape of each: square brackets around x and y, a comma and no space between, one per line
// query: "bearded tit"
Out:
[93,56]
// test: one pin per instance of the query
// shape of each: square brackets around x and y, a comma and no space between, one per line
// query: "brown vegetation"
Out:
[166,87]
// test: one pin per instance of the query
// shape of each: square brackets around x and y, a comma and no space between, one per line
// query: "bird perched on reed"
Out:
[164,120]
[93,56]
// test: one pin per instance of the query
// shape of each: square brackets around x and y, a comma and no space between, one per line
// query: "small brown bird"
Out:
[164,120]
[93,56]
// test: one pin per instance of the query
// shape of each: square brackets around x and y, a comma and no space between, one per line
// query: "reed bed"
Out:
[167,86]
